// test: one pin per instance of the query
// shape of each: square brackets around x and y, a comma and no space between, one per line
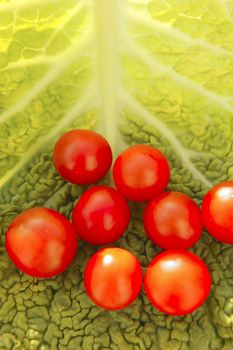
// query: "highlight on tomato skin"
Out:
[113,278]
[82,156]
[217,212]
[172,220]
[177,282]
[41,242]
[141,172]
[101,215]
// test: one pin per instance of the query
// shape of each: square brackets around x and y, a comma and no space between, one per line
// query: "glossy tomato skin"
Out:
[177,282]
[173,220]
[82,156]
[217,212]
[101,215]
[41,242]
[141,172]
[113,278]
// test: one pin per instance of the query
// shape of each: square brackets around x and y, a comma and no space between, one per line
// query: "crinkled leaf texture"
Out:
[157,72]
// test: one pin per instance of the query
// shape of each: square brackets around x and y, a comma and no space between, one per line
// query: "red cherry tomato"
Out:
[101,215]
[82,156]
[41,242]
[173,221]
[217,212]
[177,282]
[113,278]
[141,172]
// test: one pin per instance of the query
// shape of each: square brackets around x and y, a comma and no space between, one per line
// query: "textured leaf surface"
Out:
[157,72]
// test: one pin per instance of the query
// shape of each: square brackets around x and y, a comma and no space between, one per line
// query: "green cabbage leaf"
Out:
[138,71]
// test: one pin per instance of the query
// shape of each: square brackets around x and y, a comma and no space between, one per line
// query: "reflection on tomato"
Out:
[41,242]
[177,282]
[217,212]
[172,220]
[101,215]
[113,278]
[141,172]
[82,156]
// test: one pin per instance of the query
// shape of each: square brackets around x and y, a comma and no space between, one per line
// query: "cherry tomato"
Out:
[101,215]
[41,242]
[177,282]
[82,156]
[217,212]
[113,278]
[141,172]
[173,221]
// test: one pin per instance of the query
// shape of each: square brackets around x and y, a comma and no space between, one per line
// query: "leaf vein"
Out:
[155,65]
[78,108]
[176,33]
[49,77]
[181,151]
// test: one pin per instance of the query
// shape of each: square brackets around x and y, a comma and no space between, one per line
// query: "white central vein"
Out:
[106,19]
[226,6]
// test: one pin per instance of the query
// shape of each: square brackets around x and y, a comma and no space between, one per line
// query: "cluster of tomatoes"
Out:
[42,243]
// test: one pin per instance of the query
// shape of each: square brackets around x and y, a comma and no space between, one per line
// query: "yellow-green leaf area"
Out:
[137,71]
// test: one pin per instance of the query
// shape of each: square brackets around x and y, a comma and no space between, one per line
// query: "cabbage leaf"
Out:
[138,71]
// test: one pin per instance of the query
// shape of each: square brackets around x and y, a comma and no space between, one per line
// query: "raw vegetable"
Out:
[173,220]
[217,212]
[177,282]
[156,72]
[101,215]
[41,242]
[141,172]
[113,278]
[82,156]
